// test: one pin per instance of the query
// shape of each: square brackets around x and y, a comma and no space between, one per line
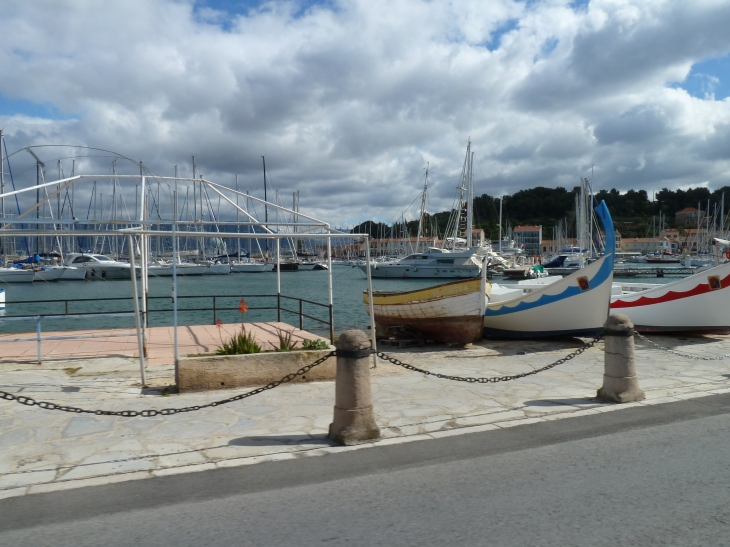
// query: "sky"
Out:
[350,101]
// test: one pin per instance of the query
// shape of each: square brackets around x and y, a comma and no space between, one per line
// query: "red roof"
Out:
[688,210]
[527,228]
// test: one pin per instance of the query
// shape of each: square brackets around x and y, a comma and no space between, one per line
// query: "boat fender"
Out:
[103,273]
[727,255]
[93,272]
[415,269]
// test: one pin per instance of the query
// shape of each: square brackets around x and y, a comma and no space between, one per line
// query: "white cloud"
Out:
[348,104]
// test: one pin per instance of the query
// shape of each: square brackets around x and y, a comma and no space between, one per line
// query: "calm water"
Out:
[348,285]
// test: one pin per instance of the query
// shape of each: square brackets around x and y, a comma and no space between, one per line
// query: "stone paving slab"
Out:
[43,450]
[192,339]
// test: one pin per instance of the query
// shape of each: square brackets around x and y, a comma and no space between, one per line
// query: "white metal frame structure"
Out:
[304,226]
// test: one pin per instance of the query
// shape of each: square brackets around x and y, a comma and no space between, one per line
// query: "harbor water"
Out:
[348,286]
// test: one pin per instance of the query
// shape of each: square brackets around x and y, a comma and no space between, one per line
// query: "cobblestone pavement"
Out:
[43,450]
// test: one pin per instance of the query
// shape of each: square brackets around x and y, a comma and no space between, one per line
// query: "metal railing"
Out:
[38,337]
[217,305]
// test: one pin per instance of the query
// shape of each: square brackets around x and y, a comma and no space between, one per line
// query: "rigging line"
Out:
[72,146]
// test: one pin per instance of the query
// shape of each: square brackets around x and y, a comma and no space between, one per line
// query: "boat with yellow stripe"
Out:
[451,312]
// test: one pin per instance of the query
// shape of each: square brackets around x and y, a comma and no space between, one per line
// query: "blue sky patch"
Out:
[12,107]
[495,40]
[709,78]
[243,7]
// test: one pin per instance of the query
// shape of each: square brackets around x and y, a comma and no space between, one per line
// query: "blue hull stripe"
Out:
[602,276]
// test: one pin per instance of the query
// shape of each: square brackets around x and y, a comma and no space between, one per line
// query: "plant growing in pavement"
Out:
[314,344]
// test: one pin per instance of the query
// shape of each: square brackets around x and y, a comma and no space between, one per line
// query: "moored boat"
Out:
[251,267]
[697,304]
[16,275]
[576,305]
[99,266]
[432,263]
[450,312]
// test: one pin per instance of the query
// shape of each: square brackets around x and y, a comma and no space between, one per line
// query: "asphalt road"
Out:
[656,475]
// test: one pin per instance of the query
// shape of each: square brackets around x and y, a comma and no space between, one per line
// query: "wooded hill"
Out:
[632,211]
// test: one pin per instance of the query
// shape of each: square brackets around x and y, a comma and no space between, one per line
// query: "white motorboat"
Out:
[99,266]
[2,299]
[16,275]
[433,263]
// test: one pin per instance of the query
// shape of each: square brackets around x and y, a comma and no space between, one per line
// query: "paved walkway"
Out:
[43,450]
[123,342]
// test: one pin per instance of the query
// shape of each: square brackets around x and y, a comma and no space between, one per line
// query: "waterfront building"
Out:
[529,238]
[689,216]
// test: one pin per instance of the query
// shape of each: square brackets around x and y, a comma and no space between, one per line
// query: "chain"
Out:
[493,379]
[685,355]
[165,411]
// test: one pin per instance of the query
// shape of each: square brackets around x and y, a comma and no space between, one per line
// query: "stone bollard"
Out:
[353,420]
[620,383]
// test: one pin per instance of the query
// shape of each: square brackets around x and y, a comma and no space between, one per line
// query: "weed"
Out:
[314,344]
[72,371]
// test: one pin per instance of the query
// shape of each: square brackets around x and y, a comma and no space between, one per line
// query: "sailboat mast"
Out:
[423,208]
[500,223]
[238,227]
[266,209]
[470,204]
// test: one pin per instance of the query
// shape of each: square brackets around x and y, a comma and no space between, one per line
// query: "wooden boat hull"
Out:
[450,313]
[698,304]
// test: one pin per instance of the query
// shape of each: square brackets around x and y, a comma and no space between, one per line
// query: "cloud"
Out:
[348,101]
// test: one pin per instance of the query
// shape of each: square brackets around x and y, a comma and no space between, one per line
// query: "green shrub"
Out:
[314,344]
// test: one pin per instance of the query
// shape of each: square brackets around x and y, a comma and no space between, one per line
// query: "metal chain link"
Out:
[493,379]
[28,401]
[685,355]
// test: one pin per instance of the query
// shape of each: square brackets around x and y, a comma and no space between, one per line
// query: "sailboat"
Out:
[576,305]
[457,257]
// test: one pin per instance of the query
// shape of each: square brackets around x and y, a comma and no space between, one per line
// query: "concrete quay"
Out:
[42,450]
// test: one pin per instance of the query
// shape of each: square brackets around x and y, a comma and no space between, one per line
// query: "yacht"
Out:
[99,266]
[433,263]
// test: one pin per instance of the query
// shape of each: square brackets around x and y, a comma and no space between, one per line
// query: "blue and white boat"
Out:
[576,305]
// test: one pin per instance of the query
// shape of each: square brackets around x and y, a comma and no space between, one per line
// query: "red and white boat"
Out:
[698,304]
